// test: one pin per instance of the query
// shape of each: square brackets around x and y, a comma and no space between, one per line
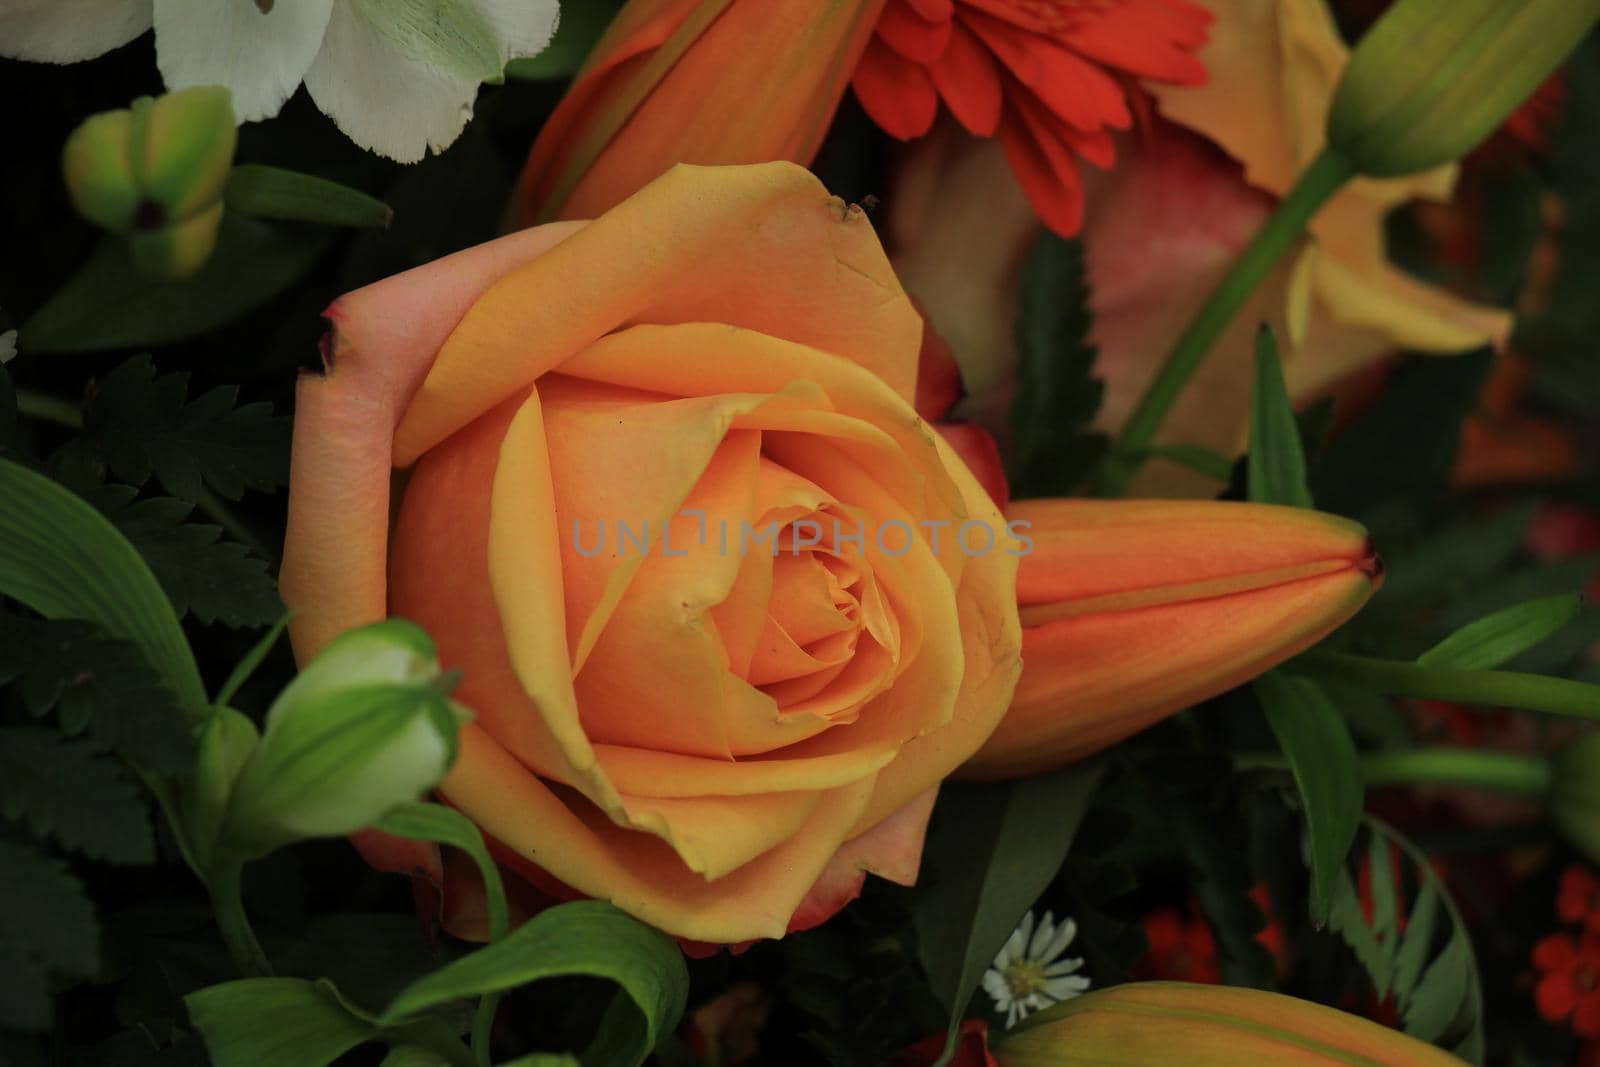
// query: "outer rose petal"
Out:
[762,247]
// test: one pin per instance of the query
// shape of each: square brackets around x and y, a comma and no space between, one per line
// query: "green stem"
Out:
[1469,768]
[1325,176]
[483,1026]
[1506,689]
[61,412]
[227,904]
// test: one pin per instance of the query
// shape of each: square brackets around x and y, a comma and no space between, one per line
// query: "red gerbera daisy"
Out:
[1578,899]
[1050,78]
[1569,987]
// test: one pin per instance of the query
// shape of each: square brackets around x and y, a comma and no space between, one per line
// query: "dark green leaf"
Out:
[1436,1002]
[1499,638]
[583,938]
[581,26]
[275,193]
[446,826]
[993,850]
[1057,395]
[145,424]
[69,791]
[47,928]
[64,560]
[98,686]
[8,410]
[203,574]
[1197,458]
[1277,464]
[1316,739]
[1417,944]
[108,304]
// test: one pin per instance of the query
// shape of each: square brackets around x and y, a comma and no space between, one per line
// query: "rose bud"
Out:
[1141,1023]
[1433,79]
[1134,609]
[367,726]
[720,735]
[154,173]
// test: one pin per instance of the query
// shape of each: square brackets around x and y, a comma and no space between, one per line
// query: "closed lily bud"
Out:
[155,173]
[686,81]
[1132,610]
[1433,79]
[1160,1024]
[366,727]
[1574,802]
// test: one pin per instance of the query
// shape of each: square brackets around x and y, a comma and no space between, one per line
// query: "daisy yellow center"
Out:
[1025,977]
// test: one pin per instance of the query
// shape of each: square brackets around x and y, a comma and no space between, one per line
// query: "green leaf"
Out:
[580,28]
[47,928]
[1416,945]
[203,574]
[65,561]
[145,424]
[1316,739]
[8,410]
[252,660]
[1197,458]
[69,791]
[1277,464]
[583,938]
[274,193]
[446,826]
[1057,395]
[1436,1002]
[98,686]
[1499,638]
[272,1022]
[108,304]
[993,850]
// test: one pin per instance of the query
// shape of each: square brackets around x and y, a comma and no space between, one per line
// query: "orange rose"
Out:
[604,424]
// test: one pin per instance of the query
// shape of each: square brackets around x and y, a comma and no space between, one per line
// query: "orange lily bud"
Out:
[1142,1023]
[693,81]
[1132,610]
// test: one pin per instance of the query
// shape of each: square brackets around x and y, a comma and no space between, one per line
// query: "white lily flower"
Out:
[1027,973]
[399,77]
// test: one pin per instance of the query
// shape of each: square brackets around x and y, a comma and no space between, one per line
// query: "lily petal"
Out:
[69,31]
[260,56]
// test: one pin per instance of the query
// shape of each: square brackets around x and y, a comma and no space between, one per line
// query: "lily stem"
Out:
[1503,689]
[1516,774]
[1325,176]
[226,885]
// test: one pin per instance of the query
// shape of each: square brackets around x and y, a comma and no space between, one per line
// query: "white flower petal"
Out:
[1063,937]
[999,990]
[399,77]
[1042,936]
[69,31]
[1066,988]
[1063,967]
[1023,934]
[261,58]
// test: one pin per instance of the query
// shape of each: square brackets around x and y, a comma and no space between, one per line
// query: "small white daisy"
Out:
[1027,975]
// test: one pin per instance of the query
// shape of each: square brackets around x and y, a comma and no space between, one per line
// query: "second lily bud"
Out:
[1134,610]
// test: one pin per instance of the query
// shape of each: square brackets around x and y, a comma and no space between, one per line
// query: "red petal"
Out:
[978,451]
[1555,997]
[896,93]
[932,10]
[1558,952]
[1046,169]
[1586,1019]
[918,39]
[968,79]
[1143,37]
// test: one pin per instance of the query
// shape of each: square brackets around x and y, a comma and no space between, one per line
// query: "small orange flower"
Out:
[1578,898]
[1569,987]
[1050,78]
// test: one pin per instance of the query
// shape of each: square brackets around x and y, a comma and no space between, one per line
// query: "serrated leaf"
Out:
[145,424]
[109,304]
[61,558]
[994,849]
[274,193]
[98,687]
[1417,944]
[1316,739]
[47,928]
[1057,395]
[69,791]
[1437,999]
[1497,639]
[587,937]
[202,573]
[1277,463]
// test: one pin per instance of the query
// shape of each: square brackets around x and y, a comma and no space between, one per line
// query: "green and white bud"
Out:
[155,173]
[366,727]
[1433,79]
